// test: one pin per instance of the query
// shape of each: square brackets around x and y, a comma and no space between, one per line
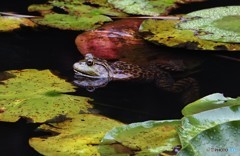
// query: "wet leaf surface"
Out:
[220,140]
[220,24]
[13,23]
[164,32]
[80,135]
[38,96]
[194,124]
[144,138]
[212,101]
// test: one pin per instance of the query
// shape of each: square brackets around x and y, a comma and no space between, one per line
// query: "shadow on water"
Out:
[124,101]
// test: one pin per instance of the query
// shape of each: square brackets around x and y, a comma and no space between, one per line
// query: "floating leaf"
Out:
[38,96]
[164,32]
[148,7]
[212,101]
[77,136]
[220,140]
[145,138]
[194,124]
[76,15]
[70,22]
[12,23]
[219,24]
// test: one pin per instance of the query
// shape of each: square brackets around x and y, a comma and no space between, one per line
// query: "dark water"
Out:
[124,101]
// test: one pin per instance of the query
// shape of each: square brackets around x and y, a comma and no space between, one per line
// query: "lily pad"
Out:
[12,23]
[144,138]
[38,96]
[148,7]
[220,140]
[212,101]
[194,124]
[74,15]
[163,32]
[219,24]
[71,22]
[80,135]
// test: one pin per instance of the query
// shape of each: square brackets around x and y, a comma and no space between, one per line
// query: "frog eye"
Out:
[89,62]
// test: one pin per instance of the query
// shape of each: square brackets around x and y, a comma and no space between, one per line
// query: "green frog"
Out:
[92,73]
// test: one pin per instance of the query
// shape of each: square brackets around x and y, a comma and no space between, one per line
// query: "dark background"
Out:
[127,102]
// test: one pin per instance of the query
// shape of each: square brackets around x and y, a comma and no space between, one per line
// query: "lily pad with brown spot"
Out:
[13,23]
[38,95]
[164,32]
[144,138]
[80,135]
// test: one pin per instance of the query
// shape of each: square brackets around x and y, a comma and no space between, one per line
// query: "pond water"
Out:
[125,101]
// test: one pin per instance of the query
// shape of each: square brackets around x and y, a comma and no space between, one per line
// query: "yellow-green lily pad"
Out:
[144,138]
[80,135]
[72,22]
[164,32]
[38,95]
[220,24]
[12,23]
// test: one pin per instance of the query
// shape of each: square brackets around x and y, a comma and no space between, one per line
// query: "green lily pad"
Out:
[144,138]
[212,101]
[71,22]
[12,23]
[163,32]
[38,96]
[79,15]
[80,135]
[194,124]
[220,140]
[147,7]
[219,24]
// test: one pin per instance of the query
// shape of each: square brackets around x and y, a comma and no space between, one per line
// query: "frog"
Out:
[92,73]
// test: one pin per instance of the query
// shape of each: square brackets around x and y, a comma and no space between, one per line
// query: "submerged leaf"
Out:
[148,7]
[145,138]
[219,24]
[164,32]
[77,136]
[38,96]
[12,23]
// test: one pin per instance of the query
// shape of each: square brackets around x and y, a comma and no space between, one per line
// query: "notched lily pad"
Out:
[12,23]
[145,138]
[80,135]
[148,7]
[38,96]
[219,24]
[164,32]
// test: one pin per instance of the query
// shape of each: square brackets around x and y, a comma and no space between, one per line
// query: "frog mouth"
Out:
[78,75]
